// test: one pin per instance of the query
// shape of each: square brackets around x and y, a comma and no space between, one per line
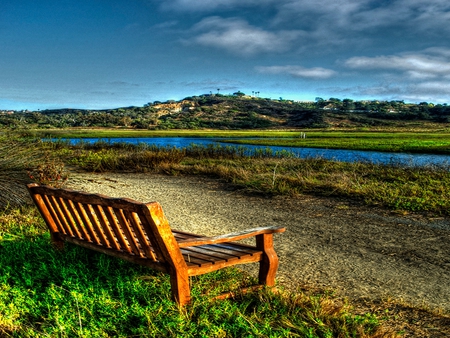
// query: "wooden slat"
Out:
[87,208]
[39,201]
[200,259]
[195,260]
[235,236]
[131,239]
[97,227]
[213,255]
[87,198]
[232,249]
[144,242]
[53,214]
[60,214]
[148,229]
[117,253]
[85,222]
[199,270]
[109,212]
[181,236]
[79,222]
[112,240]
[66,207]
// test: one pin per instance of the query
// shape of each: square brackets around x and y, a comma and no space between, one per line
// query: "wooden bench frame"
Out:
[140,233]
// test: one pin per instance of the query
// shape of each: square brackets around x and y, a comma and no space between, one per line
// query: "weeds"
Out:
[392,185]
[49,172]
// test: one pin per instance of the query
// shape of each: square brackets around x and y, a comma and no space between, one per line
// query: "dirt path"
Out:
[356,250]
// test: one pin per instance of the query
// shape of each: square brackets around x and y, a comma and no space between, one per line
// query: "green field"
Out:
[431,143]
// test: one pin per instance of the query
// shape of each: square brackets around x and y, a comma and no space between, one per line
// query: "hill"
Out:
[237,111]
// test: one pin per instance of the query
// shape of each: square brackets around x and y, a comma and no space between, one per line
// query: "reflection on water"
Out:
[330,154]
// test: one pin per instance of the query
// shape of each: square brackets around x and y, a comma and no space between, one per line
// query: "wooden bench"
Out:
[140,233]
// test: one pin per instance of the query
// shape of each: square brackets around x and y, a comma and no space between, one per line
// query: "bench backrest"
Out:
[118,224]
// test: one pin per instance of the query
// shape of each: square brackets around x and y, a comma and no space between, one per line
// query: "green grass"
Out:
[79,293]
[431,143]
[392,186]
[112,133]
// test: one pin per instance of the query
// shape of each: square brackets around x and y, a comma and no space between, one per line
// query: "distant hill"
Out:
[237,111]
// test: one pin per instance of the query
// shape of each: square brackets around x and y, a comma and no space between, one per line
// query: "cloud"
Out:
[239,37]
[298,71]
[210,5]
[436,92]
[365,23]
[431,63]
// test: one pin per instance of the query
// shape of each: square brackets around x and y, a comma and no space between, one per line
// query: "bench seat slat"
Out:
[205,259]
[218,253]
[199,270]
[181,235]
[232,248]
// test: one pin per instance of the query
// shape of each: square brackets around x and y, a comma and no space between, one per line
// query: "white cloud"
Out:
[298,71]
[209,5]
[239,37]
[431,63]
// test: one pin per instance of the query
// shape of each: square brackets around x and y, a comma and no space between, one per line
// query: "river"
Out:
[330,154]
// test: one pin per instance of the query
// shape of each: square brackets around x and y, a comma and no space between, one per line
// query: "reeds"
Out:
[391,185]
[15,156]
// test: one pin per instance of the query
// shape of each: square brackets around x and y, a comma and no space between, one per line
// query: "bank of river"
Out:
[330,154]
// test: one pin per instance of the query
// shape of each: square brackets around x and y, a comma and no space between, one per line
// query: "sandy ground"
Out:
[357,251]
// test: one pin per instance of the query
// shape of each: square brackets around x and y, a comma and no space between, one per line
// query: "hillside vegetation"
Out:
[239,111]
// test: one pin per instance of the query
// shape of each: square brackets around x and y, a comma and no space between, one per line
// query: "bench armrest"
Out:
[235,236]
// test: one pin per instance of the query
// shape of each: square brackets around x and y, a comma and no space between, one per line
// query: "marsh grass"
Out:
[80,293]
[24,161]
[15,156]
[390,185]
[417,142]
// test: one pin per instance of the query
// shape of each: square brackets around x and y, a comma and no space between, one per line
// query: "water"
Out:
[330,154]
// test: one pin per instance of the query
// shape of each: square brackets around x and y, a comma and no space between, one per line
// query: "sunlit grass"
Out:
[114,133]
[80,293]
[432,143]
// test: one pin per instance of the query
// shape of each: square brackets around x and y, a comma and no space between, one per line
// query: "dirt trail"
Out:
[356,250]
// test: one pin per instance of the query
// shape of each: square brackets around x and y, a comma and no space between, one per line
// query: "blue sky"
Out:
[114,53]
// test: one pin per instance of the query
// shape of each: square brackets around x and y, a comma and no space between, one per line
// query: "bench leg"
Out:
[181,292]
[269,263]
[57,242]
